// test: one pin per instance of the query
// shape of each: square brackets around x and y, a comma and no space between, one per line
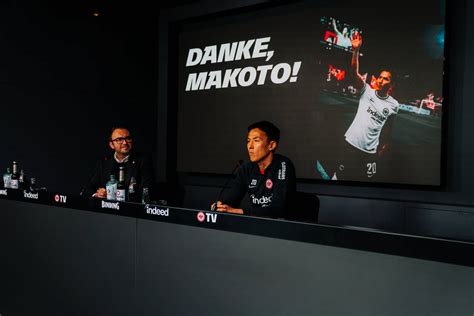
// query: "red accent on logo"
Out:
[56,198]
[269,184]
[201,217]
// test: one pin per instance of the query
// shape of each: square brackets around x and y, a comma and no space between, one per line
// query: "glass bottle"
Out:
[111,188]
[14,182]
[121,185]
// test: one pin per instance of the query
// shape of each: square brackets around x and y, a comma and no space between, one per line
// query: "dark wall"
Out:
[67,77]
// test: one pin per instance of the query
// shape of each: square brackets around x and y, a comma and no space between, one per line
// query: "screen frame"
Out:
[174,28]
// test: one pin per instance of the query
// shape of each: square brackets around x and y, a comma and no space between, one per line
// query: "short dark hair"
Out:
[112,130]
[273,132]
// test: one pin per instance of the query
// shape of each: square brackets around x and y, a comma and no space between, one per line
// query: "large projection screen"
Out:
[293,64]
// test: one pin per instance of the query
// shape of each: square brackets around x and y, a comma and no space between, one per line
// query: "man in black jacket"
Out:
[268,178]
[136,165]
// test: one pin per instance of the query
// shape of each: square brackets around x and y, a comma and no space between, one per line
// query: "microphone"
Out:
[239,163]
[89,179]
[84,187]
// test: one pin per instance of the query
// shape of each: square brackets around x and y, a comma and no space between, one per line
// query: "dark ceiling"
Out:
[105,8]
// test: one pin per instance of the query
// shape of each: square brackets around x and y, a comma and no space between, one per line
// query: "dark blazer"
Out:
[138,166]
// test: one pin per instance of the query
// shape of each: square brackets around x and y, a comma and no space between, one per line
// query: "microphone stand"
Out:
[214,205]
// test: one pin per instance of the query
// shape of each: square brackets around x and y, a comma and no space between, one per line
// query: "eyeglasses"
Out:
[121,140]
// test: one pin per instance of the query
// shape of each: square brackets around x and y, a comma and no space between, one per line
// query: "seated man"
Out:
[268,179]
[136,165]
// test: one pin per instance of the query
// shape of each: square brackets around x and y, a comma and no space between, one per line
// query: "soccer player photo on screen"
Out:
[373,134]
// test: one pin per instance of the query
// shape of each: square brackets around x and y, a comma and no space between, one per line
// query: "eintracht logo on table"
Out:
[60,198]
[208,217]
[201,217]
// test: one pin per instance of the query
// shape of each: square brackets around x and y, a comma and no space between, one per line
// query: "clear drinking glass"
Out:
[145,196]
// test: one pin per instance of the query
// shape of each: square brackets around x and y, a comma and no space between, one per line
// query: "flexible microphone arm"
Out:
[89,179]
[239,163]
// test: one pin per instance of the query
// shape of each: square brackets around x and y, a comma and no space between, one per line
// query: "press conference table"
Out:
[68,255]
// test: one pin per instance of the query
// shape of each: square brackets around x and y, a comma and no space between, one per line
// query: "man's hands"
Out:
[356,40]
[221,207]
[101,193]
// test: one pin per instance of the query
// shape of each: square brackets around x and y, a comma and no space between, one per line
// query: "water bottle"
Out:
[111,188]
[6,179]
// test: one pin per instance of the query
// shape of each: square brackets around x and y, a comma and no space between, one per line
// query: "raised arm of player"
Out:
[356,44]
[334,26]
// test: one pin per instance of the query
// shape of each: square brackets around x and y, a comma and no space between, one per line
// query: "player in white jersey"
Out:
[376,105]
[376,109]
[372,114]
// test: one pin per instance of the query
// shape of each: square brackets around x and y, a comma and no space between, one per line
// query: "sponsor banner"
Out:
[155,210]
[206,217]
[60,198]
[110,205]
[414,109]
[30,195]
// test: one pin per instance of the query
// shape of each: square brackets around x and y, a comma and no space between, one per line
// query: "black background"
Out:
[66,78]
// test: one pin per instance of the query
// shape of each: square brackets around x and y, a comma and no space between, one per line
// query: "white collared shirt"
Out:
[124,160]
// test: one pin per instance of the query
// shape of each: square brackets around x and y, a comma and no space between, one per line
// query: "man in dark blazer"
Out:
[136,165]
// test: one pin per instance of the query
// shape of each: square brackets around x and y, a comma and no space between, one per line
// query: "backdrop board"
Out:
[293,64]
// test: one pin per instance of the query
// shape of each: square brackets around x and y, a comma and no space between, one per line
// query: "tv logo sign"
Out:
[60,198]
[208,217]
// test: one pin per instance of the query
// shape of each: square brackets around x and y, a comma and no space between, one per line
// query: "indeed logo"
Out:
[30,195]
[376,115]
[111,205]
[262,200]
[157,211]
[60,198]
[3,192]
